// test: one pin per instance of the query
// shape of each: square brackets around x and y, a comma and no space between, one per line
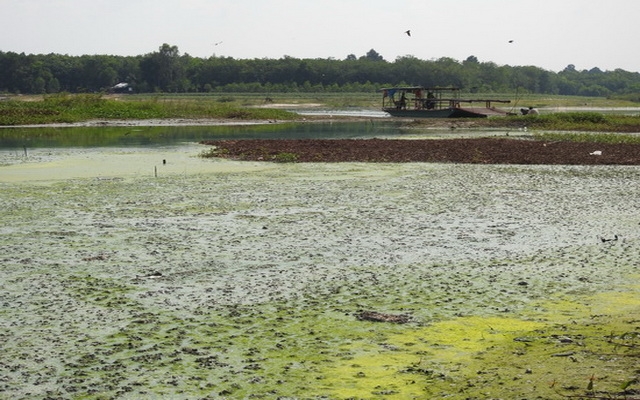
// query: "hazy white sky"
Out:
[550,34]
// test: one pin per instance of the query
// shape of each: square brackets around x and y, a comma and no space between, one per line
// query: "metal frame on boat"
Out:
[434,102]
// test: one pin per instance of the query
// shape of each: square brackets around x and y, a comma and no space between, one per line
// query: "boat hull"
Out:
[443,113]
[435,102]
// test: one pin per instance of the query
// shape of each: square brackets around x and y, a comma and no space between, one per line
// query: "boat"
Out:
[435,102]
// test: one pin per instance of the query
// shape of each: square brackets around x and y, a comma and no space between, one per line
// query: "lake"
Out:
[133,268]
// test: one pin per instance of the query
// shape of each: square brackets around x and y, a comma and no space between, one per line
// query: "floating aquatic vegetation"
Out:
[244,284]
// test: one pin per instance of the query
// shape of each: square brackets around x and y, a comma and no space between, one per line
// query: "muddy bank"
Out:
[144,122]
[187,122]
[469,151]
[237,280]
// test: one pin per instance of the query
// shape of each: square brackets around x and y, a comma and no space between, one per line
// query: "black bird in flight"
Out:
[510,41]
[408,32]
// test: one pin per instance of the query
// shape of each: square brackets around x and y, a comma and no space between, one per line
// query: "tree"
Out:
[163,69]
[168,71]
[373,55]
[38,85]
[53,86]
[471,60]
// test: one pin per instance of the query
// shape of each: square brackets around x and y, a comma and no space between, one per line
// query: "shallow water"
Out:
[47,165]
[17,139]
[22,140]
[124,276]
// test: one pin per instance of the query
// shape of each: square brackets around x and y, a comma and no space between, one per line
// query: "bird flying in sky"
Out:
[408,32]
[511,41]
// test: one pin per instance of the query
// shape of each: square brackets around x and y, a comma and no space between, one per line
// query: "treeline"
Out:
[166,70]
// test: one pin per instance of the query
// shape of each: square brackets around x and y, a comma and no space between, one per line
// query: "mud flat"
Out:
[124,276]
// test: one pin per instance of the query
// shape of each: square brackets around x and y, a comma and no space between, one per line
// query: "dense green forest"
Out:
[168,71]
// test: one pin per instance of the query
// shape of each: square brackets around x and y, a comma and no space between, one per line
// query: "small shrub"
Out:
[67,100]
[581,117]
[214,152]
[238,114]
[612,138]
[285,157]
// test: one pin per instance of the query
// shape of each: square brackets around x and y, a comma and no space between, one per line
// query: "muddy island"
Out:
[467,151]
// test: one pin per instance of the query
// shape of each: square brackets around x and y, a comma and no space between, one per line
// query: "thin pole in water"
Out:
[155,171]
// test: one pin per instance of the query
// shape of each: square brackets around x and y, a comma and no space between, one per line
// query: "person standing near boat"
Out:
[430,102]
[402,104]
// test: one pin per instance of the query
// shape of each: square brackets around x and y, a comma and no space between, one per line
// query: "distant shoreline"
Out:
[187,122]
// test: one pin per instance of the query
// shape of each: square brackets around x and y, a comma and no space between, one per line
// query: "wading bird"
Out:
[604,240]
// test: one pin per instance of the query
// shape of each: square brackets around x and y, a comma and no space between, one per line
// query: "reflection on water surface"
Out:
[169,135]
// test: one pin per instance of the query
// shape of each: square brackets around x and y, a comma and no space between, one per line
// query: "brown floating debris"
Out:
[566,354]
[382,317]
[99,257]
[154,274]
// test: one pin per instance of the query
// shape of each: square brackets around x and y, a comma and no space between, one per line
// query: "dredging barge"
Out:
[435,102]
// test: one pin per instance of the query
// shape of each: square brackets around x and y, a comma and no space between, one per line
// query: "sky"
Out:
[550,34]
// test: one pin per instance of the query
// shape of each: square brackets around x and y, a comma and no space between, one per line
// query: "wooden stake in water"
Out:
[25,150]
[155,171]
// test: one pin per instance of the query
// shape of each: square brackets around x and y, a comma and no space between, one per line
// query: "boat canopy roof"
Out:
[413,88]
